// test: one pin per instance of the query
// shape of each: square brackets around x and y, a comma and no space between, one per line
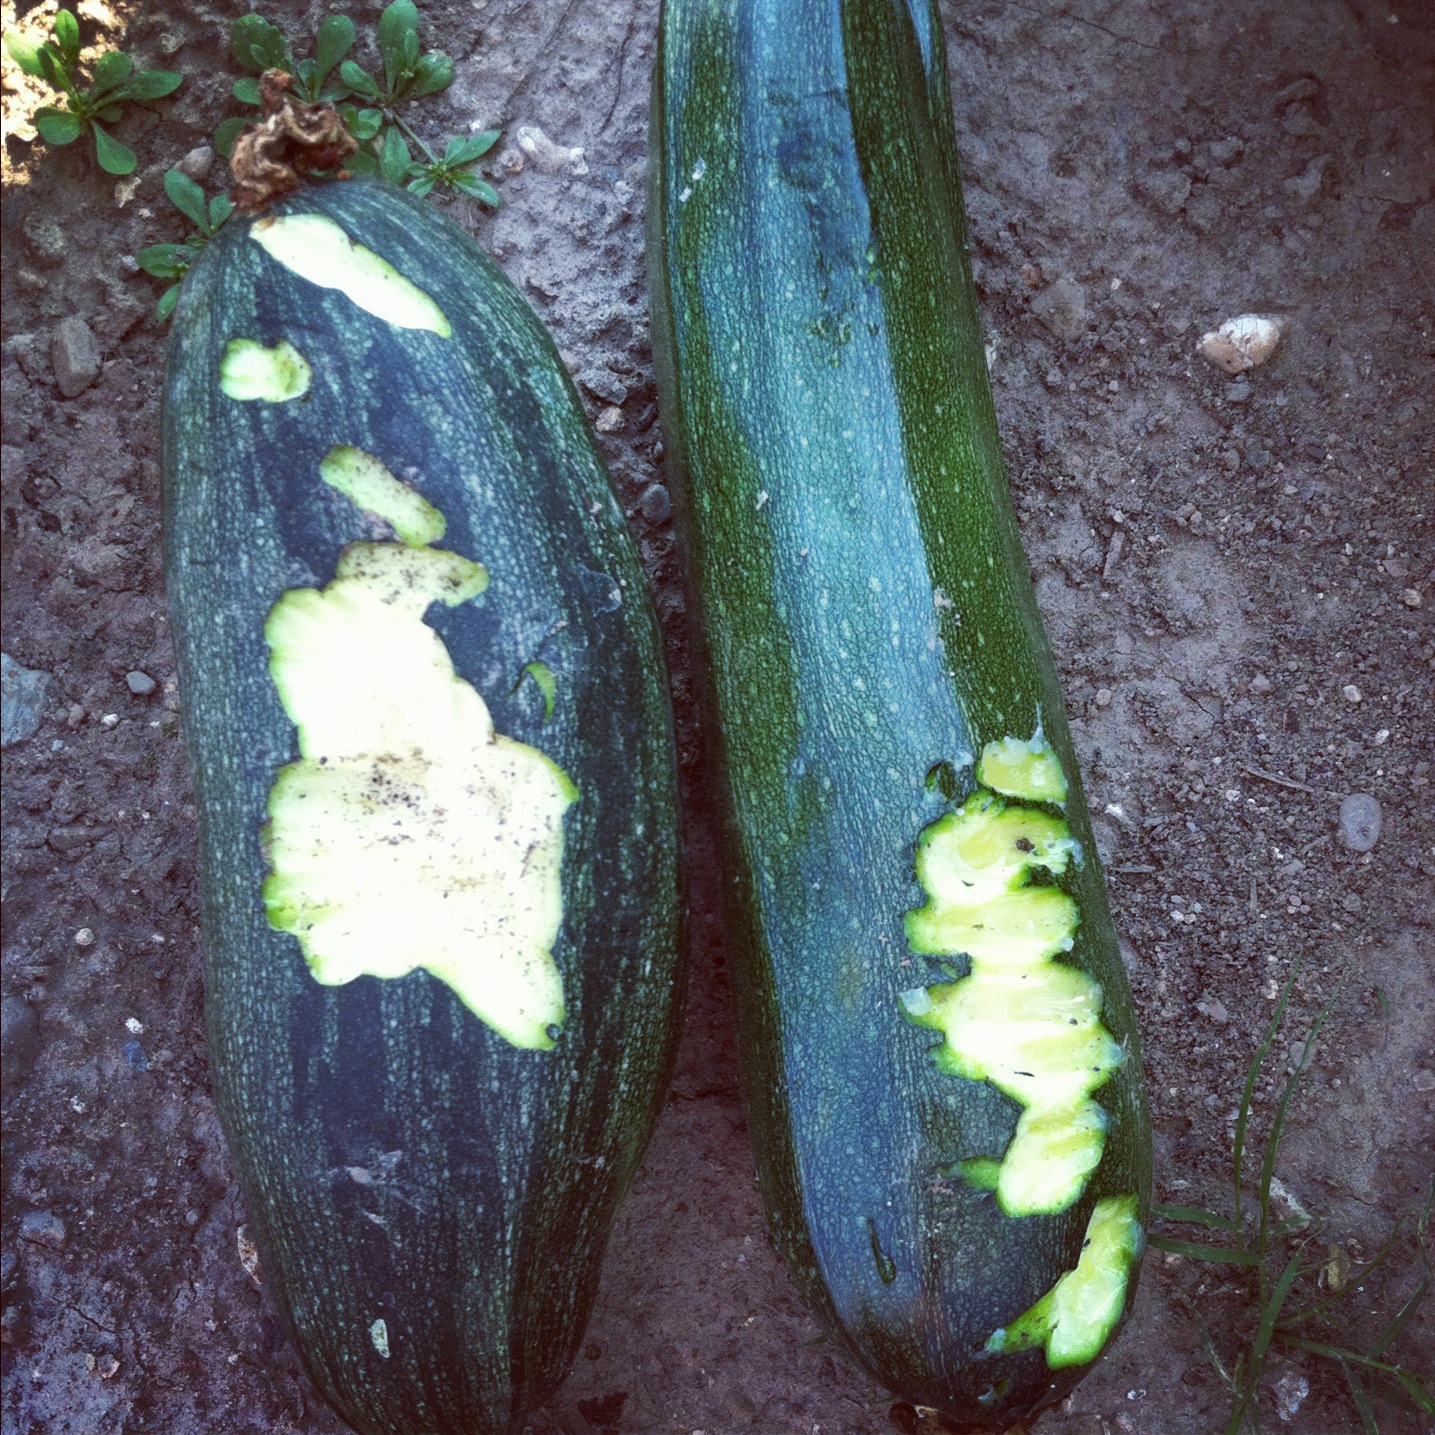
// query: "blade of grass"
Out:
[1417,1390]
[1270,1312]
[1338,1353]
[1225,1255]
[1192,1216]
[1254,1070]
[1362,1404]
[1208,1344]
[1400,1320]
[1273,1141]
[1246,1390]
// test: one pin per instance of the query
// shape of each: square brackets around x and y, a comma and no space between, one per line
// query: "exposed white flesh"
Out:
[1019,1019]
[1075,1318]
[249,371]
[409,834]
[317,249]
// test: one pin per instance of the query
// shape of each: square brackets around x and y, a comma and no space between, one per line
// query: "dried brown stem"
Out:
[293,143]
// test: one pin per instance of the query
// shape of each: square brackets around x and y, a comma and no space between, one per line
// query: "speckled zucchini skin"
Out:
[399,1160]
[868,612]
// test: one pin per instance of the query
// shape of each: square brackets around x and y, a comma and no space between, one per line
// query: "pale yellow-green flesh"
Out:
[1020,1019]
[367,484]
[317,249]
[250,371]
[410,835]
[1074,1319]
[1027,768]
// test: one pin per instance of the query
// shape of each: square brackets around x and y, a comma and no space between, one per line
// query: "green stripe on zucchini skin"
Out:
[488,1176]
[870,629]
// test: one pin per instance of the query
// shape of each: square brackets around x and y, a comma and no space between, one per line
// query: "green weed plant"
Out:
[114,83]
[1288,1310]
[372,105]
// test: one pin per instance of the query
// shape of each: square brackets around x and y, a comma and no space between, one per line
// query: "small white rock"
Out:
[1360,821]
[1242,343]
[1351,693]
[197,163]
[547,154]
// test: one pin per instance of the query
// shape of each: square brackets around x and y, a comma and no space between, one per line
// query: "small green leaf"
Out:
[258,45]
[153,84]
[246,91]
[112,69]
[187,197]
[57,126]
[475,188]
[421,184]
[67,37]
[304,73]
[1220,1255]
[359,80]
[110,114]
[114,157]
[481,190]
[229,130]
[394,157]
[166,304]
[547,684]
[25,52]
[1192,1215]
[362,163]
[434,72]
[398,21]
[165,261]
[53,68]
[366,124]
[461,150]
[335,40]
[220,208]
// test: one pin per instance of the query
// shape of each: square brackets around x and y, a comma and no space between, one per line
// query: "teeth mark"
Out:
[1020,1019]
[1074,1319]
[315,248]
[248,371]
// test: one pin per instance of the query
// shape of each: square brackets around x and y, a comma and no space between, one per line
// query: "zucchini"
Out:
[425,704]
[940,1058]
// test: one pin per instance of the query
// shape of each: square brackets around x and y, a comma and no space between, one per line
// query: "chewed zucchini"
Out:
[941,1063]
[441,900]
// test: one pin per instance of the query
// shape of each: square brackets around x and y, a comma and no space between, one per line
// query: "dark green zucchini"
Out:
[439,854]
[909,841]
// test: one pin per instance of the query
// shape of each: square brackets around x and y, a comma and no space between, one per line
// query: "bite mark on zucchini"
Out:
[1019,1019]
[367,484]
[1075,1318]
[1027,768]
[409,834]
[248,371]
[379,1336]
[315,248]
